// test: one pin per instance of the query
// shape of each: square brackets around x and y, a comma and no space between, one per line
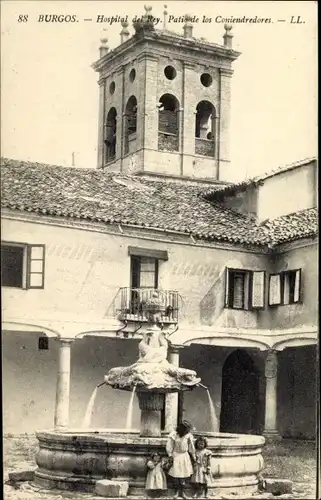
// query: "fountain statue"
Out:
[152,375]
[75,460]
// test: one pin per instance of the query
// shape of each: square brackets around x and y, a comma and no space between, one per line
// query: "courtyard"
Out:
[287,459]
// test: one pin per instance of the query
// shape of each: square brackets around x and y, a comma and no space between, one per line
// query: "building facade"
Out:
[235,264]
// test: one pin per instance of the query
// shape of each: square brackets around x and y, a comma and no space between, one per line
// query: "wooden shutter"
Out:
[275,289]
[35,266]
[258,290]
[285,282]
[297,286]
[227,287]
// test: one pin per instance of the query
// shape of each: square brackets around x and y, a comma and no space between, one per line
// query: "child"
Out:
[180,447]
[202,476]
[156,479]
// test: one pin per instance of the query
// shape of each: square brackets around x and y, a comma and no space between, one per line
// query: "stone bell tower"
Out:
[165,101]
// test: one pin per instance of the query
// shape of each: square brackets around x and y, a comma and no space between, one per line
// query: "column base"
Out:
[271,435]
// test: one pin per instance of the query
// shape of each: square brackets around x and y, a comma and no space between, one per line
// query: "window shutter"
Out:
[227,287]
[297,286]
[36,266]
[275,290]
[257,296]
[286,288]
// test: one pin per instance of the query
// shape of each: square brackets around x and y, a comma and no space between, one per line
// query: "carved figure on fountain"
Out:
[152,371]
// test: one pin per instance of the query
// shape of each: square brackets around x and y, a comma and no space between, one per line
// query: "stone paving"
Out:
[294,460]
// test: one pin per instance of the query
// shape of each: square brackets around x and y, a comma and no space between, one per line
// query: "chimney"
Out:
[227,37]
[103,49]
[165,18]
[124,34]
[188,26]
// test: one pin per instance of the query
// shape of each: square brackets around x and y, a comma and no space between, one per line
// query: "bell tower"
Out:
[165,101]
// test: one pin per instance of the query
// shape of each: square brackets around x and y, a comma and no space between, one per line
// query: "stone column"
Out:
[63,385]
[271,367]
[171,400]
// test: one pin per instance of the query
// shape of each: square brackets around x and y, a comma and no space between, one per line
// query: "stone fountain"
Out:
[152,375]
[72,460]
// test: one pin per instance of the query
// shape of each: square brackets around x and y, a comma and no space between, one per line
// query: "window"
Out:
[144,276]
[285,288]
[168,123]
[205,122]
[244,289]
[206,80]
[170,72]
[22,265]
[130,124]
[43,344]
[132,75]
[110,135]
[144,272]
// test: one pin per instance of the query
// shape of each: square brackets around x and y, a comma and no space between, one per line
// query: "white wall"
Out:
[287,192]
[84,271]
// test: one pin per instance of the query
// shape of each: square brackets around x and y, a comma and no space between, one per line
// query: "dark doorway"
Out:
[240,407]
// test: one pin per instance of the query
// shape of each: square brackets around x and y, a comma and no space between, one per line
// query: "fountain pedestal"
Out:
[151,405]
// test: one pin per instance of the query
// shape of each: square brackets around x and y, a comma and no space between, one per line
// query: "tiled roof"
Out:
[302,224]
[231,190]
[94,195]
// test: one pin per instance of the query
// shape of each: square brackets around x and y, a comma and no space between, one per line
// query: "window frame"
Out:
[26,265]
[138,259]
[282,275]
[247,305]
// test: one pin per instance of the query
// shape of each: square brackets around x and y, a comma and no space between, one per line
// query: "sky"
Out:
[49,96]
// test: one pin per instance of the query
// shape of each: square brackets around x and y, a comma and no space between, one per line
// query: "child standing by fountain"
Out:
[156,479]
[180,447]
[202,476]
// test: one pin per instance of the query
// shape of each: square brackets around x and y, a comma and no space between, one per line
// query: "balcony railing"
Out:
[132,302]
[204,147]
[167,141]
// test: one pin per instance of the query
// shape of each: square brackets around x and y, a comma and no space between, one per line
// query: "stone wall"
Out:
[148,87]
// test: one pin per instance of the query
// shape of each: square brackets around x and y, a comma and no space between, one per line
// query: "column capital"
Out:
[120,69]
[175,348]
[66,340]
[189,65]
[102,81]
[226,72]
[149,57]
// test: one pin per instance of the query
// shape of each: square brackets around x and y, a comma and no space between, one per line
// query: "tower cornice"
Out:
[175,44]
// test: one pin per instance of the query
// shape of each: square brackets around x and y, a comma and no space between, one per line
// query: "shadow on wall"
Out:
[212,304]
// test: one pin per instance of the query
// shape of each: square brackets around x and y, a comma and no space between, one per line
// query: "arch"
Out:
[17,326]
[294,342]
[110,135]
[241,405]
[205,128]
[130,124]
[225,341]
[168,122]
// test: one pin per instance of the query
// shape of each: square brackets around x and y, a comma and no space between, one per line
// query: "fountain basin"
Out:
[75,460]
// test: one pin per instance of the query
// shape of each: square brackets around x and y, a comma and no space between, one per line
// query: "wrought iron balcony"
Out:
[132,302]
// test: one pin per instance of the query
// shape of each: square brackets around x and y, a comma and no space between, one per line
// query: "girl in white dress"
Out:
[180,448]
[202,476]
[156,479]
